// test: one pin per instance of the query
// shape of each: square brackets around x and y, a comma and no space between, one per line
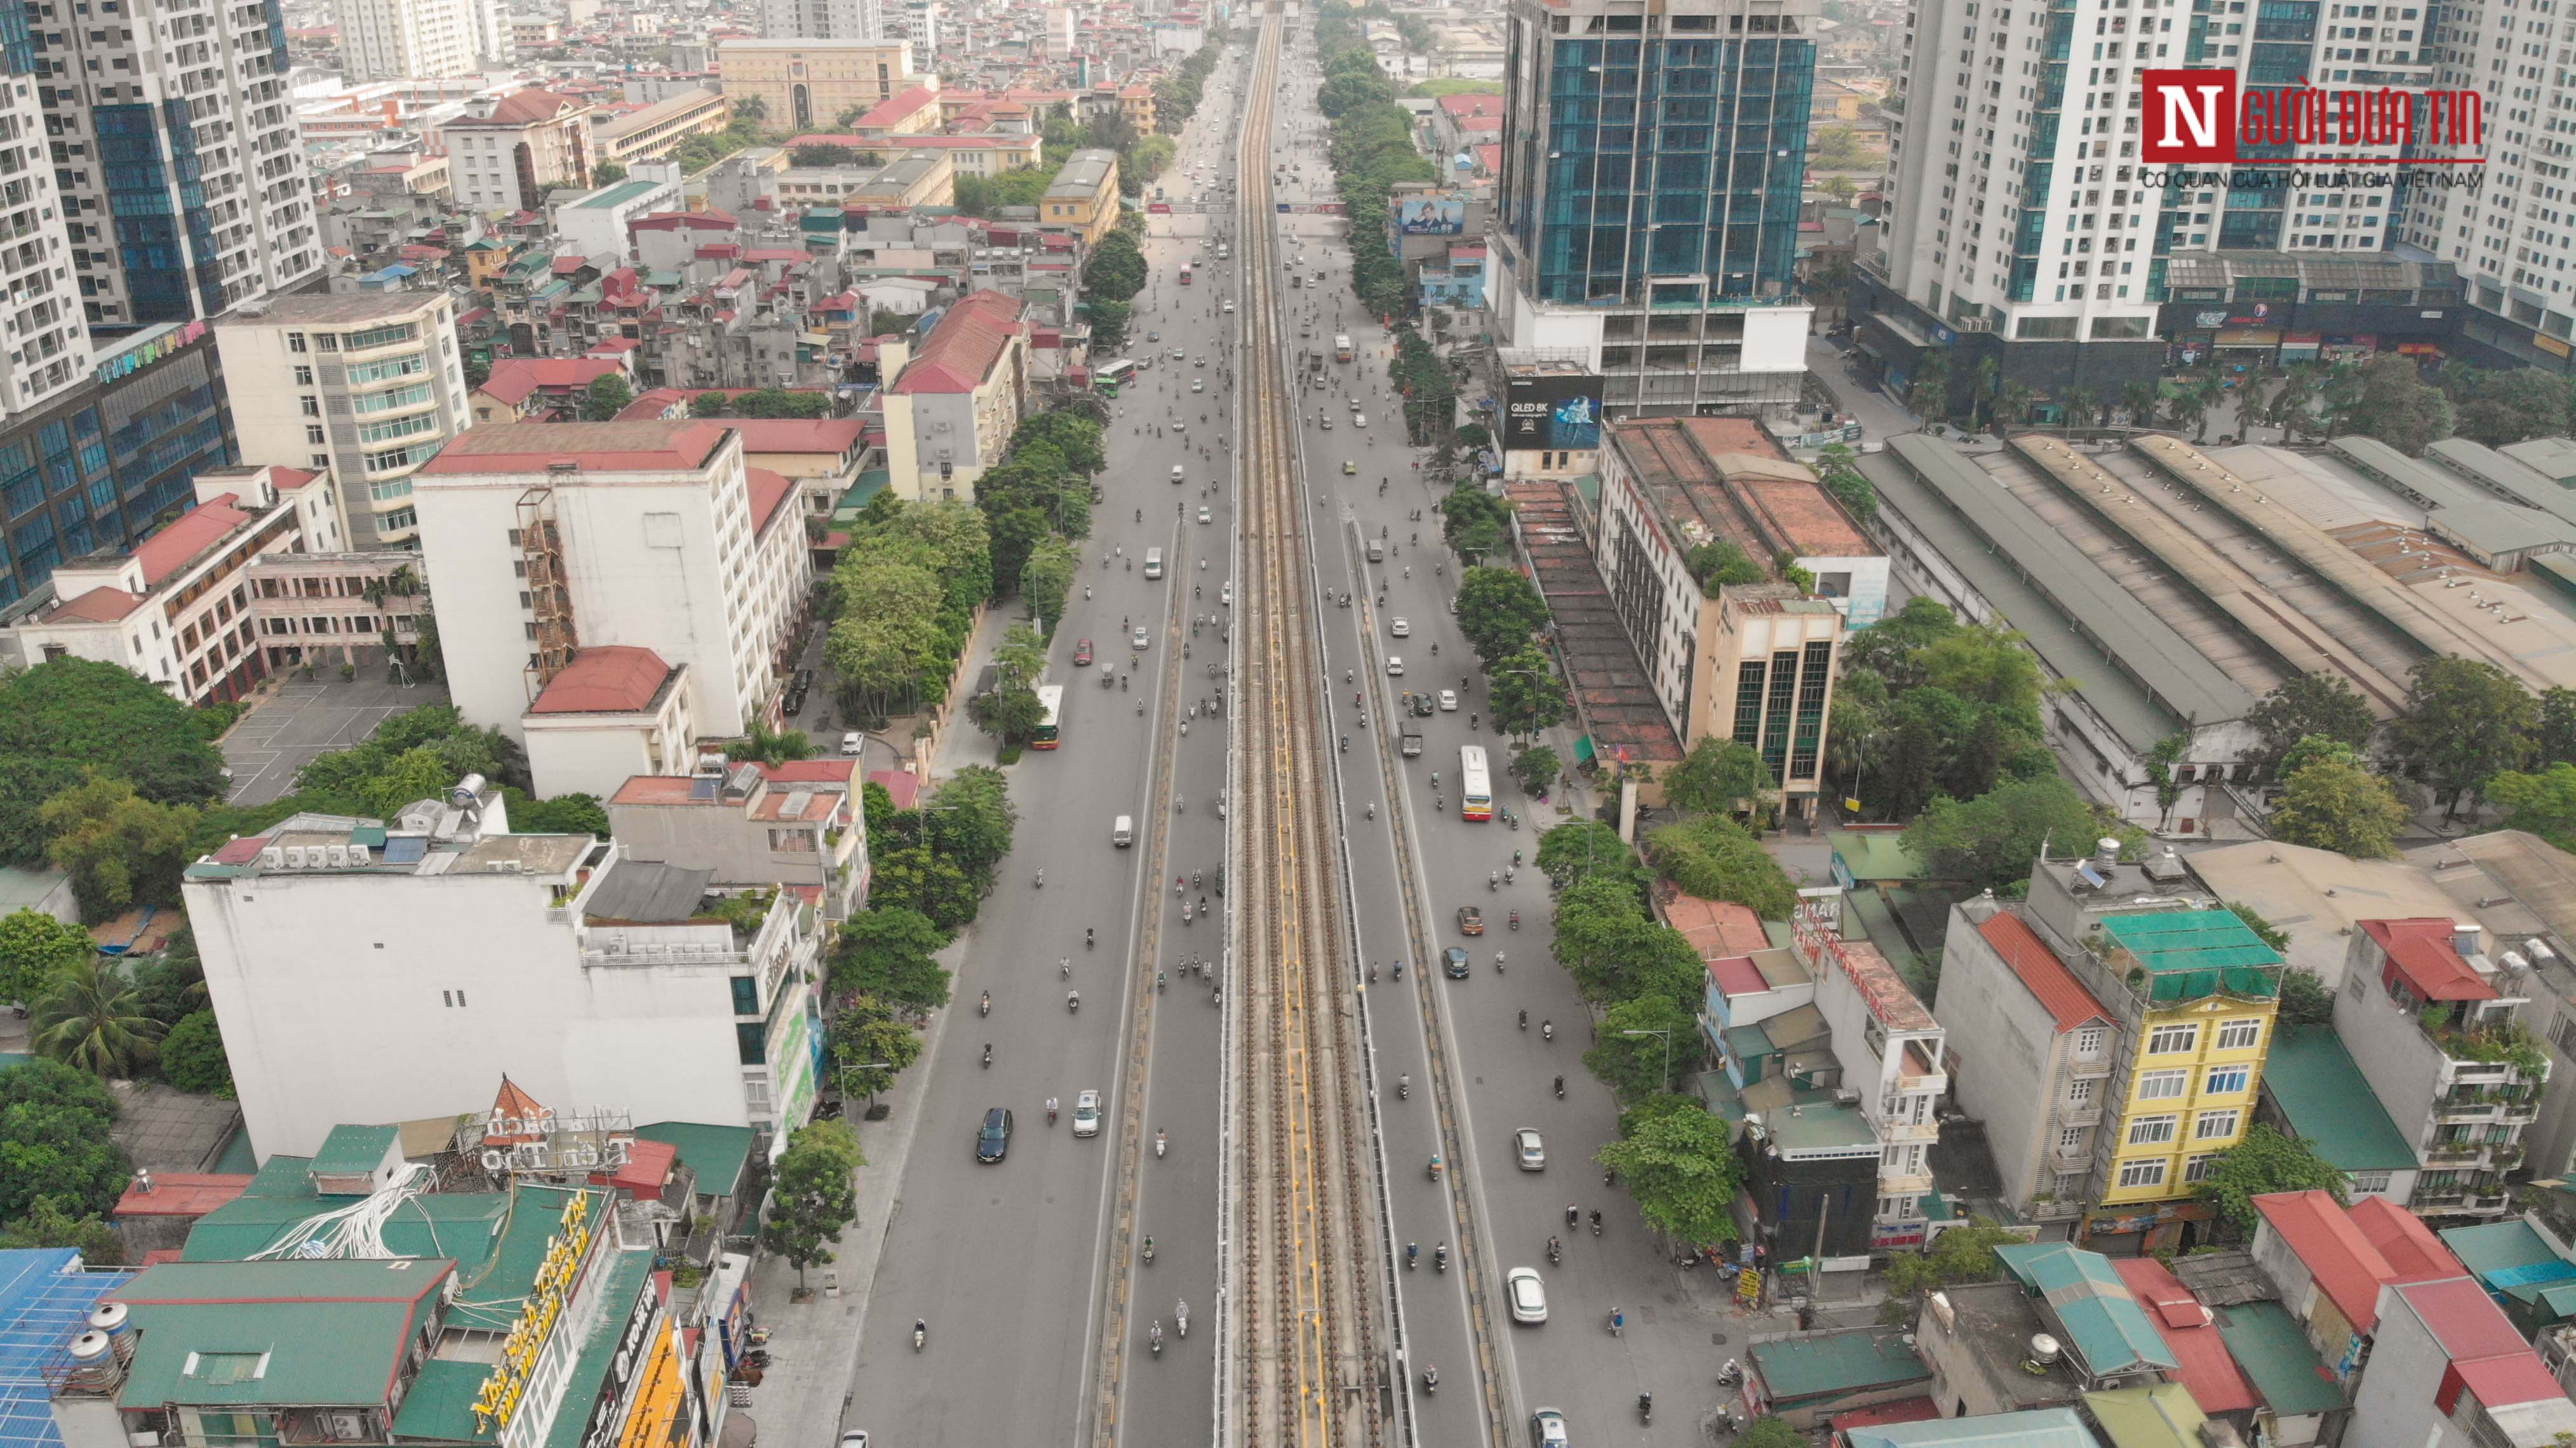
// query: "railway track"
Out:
[1306,1360]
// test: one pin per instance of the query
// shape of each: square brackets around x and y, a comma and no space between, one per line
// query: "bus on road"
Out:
[1113,376]
[1051,703]
[1341,346]
[1475,790]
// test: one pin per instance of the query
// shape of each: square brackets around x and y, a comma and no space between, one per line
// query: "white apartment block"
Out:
[394,39]
[544,539]
[917,21]
[332,958]
[1891,1052]
[824,19]
[41,325]
[365,385]
[2016,156]
[2509,235]
[184,188]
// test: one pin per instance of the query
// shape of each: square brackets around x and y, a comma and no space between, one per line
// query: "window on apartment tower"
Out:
[2240,1035]
[2167,1040]
[2142,1173]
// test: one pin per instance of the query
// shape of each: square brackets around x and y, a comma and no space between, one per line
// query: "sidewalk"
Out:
[814,1345]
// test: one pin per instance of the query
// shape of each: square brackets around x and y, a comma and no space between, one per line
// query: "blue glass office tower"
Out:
[1652,164]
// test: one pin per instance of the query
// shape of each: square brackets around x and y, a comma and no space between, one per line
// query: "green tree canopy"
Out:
[192,1056]
[607,397]
[813,1195]
[89,1017]
[34,948]
[890,954]
[70,713]
[1992,841]
[1577,849]
[1714,858]
[119,848]
[2335,804]
[2264,1161]
[1525,695]
[2465,719]
[1719,774]
[1535,768]
[1682,1172]
[54,1141]
[1498,610]
[871,1044]
[1959,1255]
[1635,1066]
[2306,704]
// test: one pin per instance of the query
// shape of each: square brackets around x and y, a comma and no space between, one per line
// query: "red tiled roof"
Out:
[654,403]
[648,1165]
[534,447]
[1736,975]
[1472,104]
[710,220]
[1717,929]
[2420,953]
[611,679]
[515,379]
[2206,1367]
[768,490]
[964,347]
[2471,1328]
[828,770]
[180,1194]
[900,785]
[2348,1269]
[2042,973]
[2413,1252]
[520,109]
[99,605]
[1886,1415]
[832,435]
[898,108]
[191,533]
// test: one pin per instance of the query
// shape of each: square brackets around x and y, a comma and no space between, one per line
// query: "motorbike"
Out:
[1440,1257]
[1160,1143]
[1412,1255]
[1073,1000]
[1516,920]
[1618,1320]
[920,1335]
[984,1006]
[1430,1382]
[1149,1251]
[1596,1221]
[1547,1030]
[1555,1251]
[988,1055]
[1156,1337]
[1182,1317]
[1645,1407]
[1435,1166]
[1403,1088]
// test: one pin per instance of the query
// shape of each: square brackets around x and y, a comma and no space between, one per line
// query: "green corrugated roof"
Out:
[2034,1428]
[2329,1102]
[2163,1416]
[2511,1258]
[2195,953]
[504,1275]
[354,1150]
[599,1347]
[440,1405]
[2110,1331]
[1825,1364]
[2277,1360]
[716,1153]
[458,1225]
[617,195]
[319,1333]
[1874,855]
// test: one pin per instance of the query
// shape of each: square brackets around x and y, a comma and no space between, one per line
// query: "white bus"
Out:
[1475,790]
[1051,700]
[1341,346]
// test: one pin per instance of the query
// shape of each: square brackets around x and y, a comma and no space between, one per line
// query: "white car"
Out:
[852,742]
[1198,384]
[1449,700]
[1138,640]
[1401,628]
[1086,1114]
[1359,419]
[1225,595]
[1395,663]
[1528,1296]
[1205,516]
[1229,309]
[1529,1150]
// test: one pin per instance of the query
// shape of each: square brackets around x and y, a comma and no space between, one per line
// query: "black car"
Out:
[993,1142]
[795,701]
[1454,961]
[803,680]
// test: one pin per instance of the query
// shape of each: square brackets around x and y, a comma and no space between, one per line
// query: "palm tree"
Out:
[2012,404]
[89,1018]
[1989,372]
[2140,400]
[2080,402]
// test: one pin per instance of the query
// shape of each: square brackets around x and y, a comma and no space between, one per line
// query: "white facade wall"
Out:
[40,309]
[660,560]
[254,188]
[594,754]
[590,231]
[1775,338]
[284,385]
[392,39]
[1899,1109]
[2009,1055]
[347,997]
[2393,1405]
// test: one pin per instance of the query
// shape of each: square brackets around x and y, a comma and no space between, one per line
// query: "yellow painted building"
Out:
[802,85]
[2202,1000]
[1084,198]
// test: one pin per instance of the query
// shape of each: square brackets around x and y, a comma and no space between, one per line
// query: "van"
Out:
[1377,550]
[1123,833]
[1153,563]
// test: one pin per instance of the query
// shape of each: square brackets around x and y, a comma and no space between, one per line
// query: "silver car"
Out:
[1528,1296]
[1528,1150]
[1086,1113]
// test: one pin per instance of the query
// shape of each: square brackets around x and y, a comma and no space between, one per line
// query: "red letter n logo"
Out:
[2191,116]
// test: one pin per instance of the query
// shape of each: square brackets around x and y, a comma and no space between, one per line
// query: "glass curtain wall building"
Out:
[1651,178]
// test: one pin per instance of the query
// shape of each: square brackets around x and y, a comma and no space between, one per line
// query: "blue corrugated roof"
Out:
[2109,1330]
[2036,1428]
[45,1298]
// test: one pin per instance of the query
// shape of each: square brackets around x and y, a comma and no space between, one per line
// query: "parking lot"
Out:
[300,719]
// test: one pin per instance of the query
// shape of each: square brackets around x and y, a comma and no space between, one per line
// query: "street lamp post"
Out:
[1668,1052]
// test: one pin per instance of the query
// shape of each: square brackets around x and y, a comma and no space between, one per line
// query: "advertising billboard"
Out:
[1432,216]
[1547,413]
